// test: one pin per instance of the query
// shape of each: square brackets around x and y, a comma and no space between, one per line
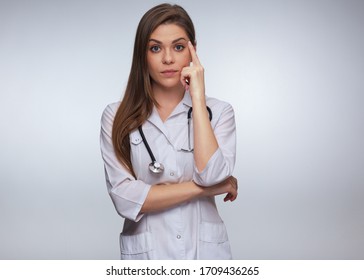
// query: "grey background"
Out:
[293,70]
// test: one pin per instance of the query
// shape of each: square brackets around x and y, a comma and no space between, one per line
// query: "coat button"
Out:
[178,236]
[172,173]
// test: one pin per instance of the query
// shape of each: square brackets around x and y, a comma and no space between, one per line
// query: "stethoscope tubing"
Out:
[146,144]
[157,167]
[189,113]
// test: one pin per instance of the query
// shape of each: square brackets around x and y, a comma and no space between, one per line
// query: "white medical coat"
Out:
[191,230]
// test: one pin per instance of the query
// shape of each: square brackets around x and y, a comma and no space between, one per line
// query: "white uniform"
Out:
[192,230]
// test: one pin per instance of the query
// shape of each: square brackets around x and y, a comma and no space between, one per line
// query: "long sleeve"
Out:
[221,164]
[127,193]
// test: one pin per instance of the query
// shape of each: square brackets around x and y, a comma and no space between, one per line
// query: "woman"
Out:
[169,208]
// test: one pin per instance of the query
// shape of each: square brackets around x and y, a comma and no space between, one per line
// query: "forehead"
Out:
[166,33]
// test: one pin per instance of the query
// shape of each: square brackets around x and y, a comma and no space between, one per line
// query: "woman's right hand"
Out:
[228,186]
[232,194]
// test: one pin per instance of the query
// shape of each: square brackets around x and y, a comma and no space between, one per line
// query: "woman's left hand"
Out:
[194,74]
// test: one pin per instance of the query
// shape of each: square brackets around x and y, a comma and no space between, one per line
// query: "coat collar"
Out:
[187,99]
[184,105]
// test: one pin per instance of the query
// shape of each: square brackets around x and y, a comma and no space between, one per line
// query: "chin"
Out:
[171,84]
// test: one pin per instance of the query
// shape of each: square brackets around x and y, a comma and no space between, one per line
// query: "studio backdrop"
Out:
[293,71]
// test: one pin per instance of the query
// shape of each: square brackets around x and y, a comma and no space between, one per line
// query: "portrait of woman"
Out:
[169,149]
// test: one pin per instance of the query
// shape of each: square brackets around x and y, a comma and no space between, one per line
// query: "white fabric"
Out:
[192,230]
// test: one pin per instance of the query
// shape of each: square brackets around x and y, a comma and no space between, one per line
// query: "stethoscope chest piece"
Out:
[156,167]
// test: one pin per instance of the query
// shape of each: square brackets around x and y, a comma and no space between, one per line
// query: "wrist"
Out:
[199,99]
[202,191]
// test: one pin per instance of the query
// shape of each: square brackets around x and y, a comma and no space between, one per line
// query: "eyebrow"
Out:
[173,42]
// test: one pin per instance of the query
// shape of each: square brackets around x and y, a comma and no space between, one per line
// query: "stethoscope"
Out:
[157,167]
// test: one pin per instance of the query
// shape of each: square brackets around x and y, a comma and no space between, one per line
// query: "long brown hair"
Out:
[137,103]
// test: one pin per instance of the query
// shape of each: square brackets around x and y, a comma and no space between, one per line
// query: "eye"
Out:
[155,48]
[179,48]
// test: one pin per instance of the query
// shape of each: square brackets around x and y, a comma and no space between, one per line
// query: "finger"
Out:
[185,79]
[230,197]
[227,197]
[193,53]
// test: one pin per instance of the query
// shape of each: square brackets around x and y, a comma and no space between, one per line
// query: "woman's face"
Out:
[167,54]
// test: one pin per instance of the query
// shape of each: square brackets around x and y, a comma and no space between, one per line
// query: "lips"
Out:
[169,72]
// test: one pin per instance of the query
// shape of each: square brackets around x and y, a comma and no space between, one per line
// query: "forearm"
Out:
[164,196]
[161,197]
[205,143]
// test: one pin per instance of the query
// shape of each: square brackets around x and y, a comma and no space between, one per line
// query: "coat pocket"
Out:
[214,242]
[136,247]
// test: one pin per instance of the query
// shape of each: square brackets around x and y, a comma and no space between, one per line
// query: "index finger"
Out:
[193,53]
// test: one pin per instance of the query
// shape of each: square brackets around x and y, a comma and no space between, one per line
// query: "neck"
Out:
[168,99]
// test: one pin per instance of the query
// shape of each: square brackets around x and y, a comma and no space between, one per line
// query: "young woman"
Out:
[164,162]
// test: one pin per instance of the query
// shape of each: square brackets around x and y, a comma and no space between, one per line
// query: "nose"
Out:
[168,57]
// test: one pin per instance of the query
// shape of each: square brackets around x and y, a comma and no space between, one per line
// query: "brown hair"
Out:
[137,103]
